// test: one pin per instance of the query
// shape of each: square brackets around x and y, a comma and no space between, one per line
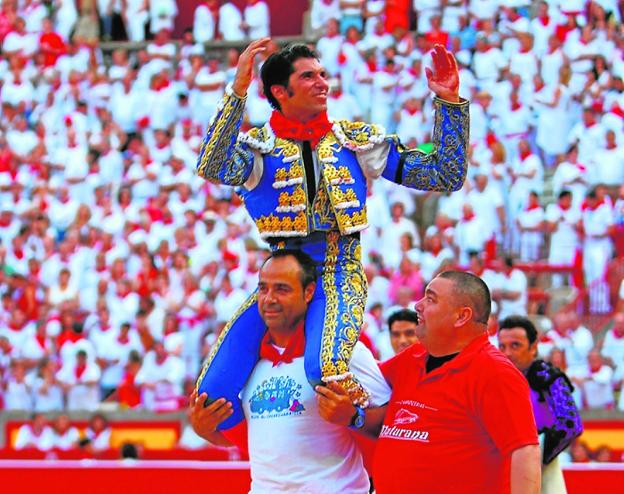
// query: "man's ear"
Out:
[464,314]
[308,292]
[279,92]
[533,348]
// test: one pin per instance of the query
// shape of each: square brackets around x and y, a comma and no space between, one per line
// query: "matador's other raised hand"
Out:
[244,69]
[443,78]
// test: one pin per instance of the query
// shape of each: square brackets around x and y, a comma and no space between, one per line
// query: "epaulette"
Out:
[358,136]
[259,138]
[541,375]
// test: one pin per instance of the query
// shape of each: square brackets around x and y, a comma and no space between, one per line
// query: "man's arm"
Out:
[526,470]
[205,420]
[336,407]
[220,159]
[444,168]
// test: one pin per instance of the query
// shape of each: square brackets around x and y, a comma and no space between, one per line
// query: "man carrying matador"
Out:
[303,179]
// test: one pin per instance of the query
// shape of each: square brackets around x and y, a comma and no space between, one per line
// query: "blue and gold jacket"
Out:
[271,178]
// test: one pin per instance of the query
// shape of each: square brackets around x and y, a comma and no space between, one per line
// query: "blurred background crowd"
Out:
[119,266]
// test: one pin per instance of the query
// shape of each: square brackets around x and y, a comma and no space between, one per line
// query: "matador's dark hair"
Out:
[277,69]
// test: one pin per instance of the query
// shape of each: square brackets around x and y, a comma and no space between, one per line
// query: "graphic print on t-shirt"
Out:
[276,397]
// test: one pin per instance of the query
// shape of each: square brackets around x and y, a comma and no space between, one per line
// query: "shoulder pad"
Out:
[259,138]
[358,136]
[541,375]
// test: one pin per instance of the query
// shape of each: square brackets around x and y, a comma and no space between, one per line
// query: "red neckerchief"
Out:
[294,349]
[586,207]
[525,154]
[79,370]
[123,339]
[468,217]
[565,208]
[516,106]
[312,130]
[616,110]
[372,65]
[544,20]
[534,207]
[41,339]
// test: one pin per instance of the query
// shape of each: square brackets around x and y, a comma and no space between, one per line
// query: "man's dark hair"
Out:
[277,69]
[309,272]
[129,451]
[473,291]
[564,193]
[402,315]
[525,323]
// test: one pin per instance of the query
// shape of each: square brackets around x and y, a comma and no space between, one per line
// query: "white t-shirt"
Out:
[515,282]
[26,438]
[291,448]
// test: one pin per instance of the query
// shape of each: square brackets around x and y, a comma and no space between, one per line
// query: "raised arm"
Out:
[444,168]
[221,159]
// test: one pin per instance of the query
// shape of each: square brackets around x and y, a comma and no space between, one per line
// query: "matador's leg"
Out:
[232,360]
[335,317]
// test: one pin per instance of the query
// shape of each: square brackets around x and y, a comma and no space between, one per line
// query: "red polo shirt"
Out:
[452,430]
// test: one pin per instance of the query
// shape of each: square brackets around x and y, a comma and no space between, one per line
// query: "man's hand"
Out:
[444,78]
[334,404]
[205,420]
[244,69]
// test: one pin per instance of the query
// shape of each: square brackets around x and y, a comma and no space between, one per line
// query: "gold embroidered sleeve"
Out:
[445,167]
[222,159]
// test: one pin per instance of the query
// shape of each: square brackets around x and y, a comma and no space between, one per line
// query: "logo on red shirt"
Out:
[404,416]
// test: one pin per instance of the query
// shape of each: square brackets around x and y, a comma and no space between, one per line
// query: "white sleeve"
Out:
[366,371]
[256,172]
[373,161]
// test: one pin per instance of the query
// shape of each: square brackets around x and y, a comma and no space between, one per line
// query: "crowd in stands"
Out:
[120,265]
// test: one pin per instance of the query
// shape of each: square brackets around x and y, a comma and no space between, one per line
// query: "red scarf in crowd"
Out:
[586,207]
[79,370]
[525,154]
[294,349]
[41,339]
[312,131]
[544,20]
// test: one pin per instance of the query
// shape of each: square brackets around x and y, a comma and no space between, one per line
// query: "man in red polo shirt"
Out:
[460,417]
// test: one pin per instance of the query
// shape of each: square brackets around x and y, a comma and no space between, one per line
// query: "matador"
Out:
[303,179]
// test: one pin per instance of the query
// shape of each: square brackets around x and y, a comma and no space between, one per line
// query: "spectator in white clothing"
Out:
[80,380]
[595,381]
[161,379]
[231,22]
[256,19]
[65,435]
[511,294]
[98,434]
[35,435]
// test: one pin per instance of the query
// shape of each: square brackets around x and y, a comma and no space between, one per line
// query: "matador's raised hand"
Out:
[244,68]
[443,78]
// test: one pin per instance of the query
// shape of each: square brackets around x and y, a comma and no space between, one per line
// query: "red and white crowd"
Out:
[120,265]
